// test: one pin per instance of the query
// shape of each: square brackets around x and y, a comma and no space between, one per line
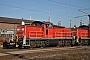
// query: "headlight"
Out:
[22,29]
[18,29]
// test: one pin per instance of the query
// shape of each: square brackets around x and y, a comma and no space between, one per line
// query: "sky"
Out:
[60,10]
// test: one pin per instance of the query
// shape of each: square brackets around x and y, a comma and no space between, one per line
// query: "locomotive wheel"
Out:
[20,46]
[26,47]
[71,45]
[67,43]
[72,42]
[88,43]
[4,45]
[38,43]
[32,44]
[61,43]
[41,44]
[82,43]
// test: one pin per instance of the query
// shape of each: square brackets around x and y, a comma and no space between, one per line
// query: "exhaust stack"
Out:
[49,16]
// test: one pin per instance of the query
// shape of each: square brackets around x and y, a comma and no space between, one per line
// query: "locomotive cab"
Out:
[48,30]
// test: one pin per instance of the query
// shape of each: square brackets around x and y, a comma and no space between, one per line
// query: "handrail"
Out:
[83,34]
[36,34]
[63,34]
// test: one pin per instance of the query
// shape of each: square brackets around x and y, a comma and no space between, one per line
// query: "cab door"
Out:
[48,31]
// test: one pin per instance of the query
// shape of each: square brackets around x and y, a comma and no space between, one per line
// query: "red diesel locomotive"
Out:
[41,34]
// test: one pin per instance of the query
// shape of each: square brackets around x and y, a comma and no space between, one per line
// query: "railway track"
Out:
[51,49]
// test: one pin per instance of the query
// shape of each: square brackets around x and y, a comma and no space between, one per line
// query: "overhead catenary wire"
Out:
[47,3]
[22,8]
[80,16]
[59,3]
[80,8]
[85,9]
[66,4]
[82,11]
[32,10]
